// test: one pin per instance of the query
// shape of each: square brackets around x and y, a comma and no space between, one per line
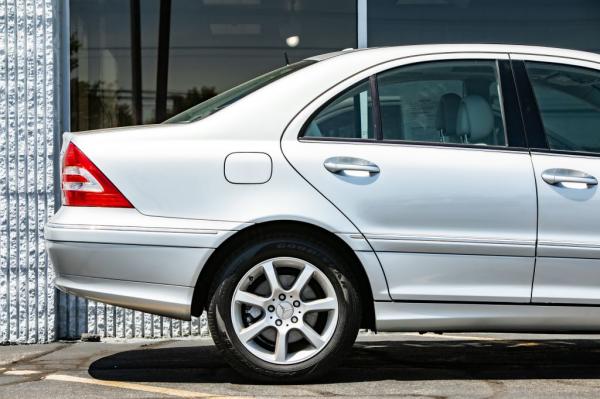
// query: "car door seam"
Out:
[331,202]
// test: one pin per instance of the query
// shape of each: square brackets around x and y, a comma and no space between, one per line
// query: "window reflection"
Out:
[142,61]
[558,23]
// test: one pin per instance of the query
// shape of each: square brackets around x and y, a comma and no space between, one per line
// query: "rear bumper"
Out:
[167,300]
[124,258]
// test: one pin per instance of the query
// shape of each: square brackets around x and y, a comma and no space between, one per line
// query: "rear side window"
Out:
[436,102]
[568,98]
[349,116]
[446,102]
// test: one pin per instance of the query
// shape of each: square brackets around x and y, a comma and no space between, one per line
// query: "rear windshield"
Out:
[230,96]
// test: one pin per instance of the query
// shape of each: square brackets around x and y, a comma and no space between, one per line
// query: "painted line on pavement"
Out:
[139,387]
[21,372]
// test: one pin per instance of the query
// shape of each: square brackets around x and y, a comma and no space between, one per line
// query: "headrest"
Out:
[447,112]
[475,118]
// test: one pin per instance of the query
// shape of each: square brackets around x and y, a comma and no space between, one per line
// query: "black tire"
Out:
[253,252]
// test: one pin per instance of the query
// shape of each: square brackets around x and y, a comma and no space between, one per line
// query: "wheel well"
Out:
[209,271]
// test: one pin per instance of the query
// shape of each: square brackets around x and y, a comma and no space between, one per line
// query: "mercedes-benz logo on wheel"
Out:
[285,310]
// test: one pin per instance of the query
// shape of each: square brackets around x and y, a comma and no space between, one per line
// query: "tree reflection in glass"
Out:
[143,61]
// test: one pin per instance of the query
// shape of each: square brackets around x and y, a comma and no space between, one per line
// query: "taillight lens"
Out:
[83,184]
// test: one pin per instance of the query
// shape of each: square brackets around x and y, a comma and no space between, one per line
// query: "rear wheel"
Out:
[284,307]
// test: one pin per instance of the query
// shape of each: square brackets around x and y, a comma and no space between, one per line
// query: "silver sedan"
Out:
[417,188]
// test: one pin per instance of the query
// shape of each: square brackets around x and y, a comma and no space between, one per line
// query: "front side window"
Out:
[568,99]
[443,102]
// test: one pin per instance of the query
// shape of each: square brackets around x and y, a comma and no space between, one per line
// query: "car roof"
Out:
[415,50]
[322,57]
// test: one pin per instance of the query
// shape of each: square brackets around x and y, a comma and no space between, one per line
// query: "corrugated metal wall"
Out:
[76,316]
[27,123]
[31,310]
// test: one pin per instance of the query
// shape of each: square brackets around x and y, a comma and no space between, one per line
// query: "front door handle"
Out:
[338,165]
[559,176]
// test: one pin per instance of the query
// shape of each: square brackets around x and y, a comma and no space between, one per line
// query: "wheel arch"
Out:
[210,269]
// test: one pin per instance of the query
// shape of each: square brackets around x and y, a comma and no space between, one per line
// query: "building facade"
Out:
[72,65]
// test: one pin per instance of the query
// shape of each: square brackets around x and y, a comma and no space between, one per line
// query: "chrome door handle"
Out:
[342,164]
[558,176]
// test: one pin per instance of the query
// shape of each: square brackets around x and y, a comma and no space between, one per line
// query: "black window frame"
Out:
[530,113]
[512,115]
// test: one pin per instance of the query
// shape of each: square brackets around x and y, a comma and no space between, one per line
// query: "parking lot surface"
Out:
[382,365]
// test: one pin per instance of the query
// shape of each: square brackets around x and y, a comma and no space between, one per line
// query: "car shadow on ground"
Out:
[412,360]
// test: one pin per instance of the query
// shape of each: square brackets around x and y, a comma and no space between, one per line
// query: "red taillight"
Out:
[83,184]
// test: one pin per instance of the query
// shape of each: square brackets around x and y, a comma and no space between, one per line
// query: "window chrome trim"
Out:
[339,140]
[578,154]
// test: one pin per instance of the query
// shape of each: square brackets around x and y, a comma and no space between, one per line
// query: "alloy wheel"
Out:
[284,310]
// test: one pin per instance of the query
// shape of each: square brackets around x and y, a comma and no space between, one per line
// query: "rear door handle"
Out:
[338,165]
[558,176]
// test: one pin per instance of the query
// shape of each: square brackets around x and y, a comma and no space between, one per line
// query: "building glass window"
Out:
[558,23]
[143,61]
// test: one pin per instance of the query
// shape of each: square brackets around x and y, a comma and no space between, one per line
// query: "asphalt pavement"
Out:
[382,365]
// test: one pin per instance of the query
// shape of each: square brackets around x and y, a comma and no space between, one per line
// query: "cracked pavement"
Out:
[382,365]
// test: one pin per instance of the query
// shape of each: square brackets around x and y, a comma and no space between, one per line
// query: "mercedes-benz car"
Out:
[418,188]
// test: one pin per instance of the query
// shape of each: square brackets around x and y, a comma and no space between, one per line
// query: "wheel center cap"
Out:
[284,310]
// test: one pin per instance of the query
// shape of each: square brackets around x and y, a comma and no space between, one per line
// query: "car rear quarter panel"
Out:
[183,177]
[177,170]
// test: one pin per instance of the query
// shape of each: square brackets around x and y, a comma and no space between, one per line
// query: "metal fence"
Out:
[76,316]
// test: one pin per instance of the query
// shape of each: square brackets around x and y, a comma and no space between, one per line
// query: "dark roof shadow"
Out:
[412,360]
